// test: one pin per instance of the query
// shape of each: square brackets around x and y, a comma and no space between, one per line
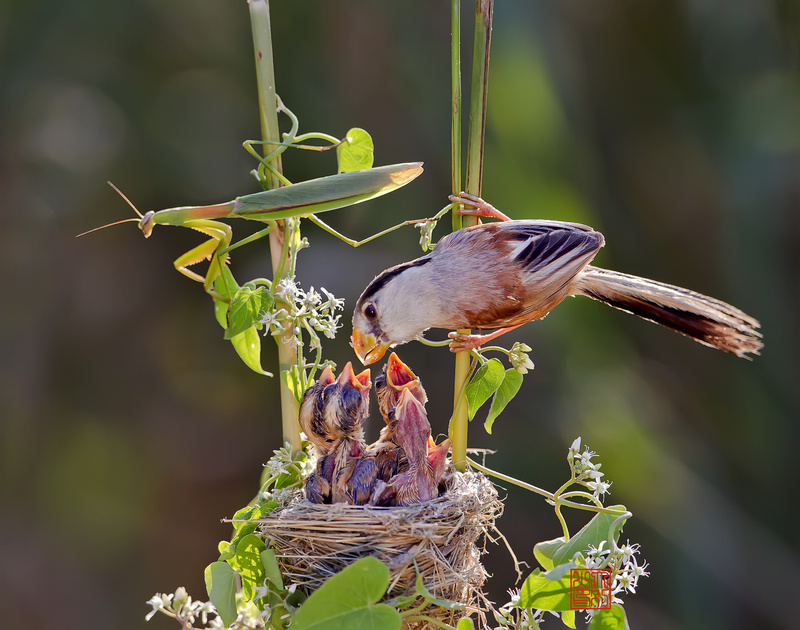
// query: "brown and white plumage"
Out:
[501,275]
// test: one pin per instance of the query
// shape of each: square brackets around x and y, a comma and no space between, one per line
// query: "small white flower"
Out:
[333,302]
[260,591]
[627,551]
[157,602]
[624,582]
[586,457]
[287,289]
[312,298]
[599,487]
[181,597]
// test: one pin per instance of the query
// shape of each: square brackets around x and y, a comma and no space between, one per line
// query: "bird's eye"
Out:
[370,312]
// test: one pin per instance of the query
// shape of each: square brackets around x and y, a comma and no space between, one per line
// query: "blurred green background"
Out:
[129,427]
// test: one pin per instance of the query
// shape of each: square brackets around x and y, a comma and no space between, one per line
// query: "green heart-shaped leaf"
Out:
[349,600]
[356,152]
[512,381]
[485,383]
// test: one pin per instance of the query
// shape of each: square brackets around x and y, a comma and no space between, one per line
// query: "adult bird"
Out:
[497,276]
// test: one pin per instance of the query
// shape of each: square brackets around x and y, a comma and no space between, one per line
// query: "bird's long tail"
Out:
[709,321]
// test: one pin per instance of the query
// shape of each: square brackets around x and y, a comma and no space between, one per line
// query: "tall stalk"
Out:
[287,232]
[484,10]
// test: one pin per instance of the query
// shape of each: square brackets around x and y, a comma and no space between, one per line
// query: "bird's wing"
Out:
[545,249]
[529,265]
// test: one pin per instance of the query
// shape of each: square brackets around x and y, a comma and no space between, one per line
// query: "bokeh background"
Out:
[129,427]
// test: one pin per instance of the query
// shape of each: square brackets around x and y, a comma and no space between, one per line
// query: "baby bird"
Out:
[345,409]
[357,480]
[332,414]
[396,377]
[425,468]
[389,385]
[311,417]
[515,272]
[346,404]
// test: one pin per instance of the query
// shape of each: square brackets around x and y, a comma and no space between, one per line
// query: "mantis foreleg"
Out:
[215,250]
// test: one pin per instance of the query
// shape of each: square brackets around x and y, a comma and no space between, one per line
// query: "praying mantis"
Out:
[303,199]
[358,183]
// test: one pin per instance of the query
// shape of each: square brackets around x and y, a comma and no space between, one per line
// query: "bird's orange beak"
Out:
[398,373]
[360,381]
[367,347]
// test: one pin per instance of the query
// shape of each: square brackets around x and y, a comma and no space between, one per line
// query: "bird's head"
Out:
[368,340]
[346,402]
[393,309]
[311,416]
[396,377]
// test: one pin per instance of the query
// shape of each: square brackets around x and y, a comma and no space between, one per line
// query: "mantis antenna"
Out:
[143,220]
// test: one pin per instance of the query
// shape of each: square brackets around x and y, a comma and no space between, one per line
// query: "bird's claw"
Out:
[475,206]
[464,343]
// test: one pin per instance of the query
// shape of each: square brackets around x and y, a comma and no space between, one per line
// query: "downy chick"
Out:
[332,414]
[425,466]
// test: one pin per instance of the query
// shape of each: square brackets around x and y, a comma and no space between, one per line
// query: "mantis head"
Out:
[146,222]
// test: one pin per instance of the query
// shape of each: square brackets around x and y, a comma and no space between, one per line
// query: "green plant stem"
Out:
[455,115]
[460,422]
[429,620]
[548,495]
[278,238]
[484,10]
[479,90]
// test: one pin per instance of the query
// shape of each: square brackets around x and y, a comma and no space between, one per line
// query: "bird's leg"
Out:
[477,207]
[463,343]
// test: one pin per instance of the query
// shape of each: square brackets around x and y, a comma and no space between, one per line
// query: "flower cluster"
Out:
[512,616]
[188,611]
[426,234]
[287,469]
[587,472]
[296,310]
[623,564]
[183,608]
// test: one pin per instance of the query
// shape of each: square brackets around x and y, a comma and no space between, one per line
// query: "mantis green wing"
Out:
[296,200]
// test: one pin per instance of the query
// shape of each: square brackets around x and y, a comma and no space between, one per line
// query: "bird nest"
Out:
[442,539]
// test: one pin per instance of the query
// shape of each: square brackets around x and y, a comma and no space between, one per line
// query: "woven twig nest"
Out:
[313,542]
